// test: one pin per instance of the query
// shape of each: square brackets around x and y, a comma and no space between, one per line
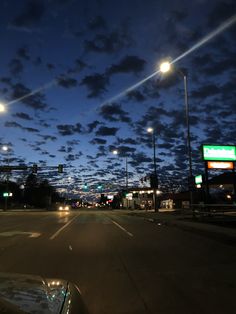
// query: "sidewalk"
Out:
[186,222]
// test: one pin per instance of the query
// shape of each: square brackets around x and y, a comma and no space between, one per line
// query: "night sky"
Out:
[78,55]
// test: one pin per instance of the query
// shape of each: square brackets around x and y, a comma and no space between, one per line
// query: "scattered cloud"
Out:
[127,140]
[139,158]
[205,91]
[106,131]
[114,112]
[48,137]
[99,141]
[22,115]
[91,126]
[220,12]
[96,84]
[98,22]
[15,67]
[30,16]
[73,157]
[13,124]
[35,101]
[129,64]
[69,129]
[67,82]
[108,43]
[23,53]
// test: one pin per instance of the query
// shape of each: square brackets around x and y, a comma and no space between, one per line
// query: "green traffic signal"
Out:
[85,187]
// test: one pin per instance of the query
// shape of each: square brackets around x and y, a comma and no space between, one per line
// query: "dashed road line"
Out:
[62,228]
[122,228]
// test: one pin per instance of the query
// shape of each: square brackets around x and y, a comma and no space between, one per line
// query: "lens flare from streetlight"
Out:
[2,108]
[227,24]
[165,67]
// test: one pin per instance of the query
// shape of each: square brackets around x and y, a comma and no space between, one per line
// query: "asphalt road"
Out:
[122,264]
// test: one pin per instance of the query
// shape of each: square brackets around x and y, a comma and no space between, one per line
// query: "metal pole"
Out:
[155,172]
[206,187]
[126,172]
[188,140]
[7,187]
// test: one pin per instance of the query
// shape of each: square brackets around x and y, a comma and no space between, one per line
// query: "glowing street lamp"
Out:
[5,148]
[166,67]
[116,152]
[2,108]
[150,130]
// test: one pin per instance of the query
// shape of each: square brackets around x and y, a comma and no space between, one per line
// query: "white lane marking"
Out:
[35,235]
[122,228]
[62,228]
[14,233]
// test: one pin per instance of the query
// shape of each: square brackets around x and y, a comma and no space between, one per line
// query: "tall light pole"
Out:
[6,149]
[116,152]
[166,67]
[155,178]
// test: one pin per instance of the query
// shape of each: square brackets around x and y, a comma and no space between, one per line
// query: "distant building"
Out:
[138,198]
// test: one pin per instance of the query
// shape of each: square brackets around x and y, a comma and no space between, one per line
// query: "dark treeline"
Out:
[35,193]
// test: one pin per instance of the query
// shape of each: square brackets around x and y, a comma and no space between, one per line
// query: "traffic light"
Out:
[34,168]
[85,187]
[99,187]
[60,168]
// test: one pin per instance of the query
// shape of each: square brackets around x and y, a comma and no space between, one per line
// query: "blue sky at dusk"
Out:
[80,54]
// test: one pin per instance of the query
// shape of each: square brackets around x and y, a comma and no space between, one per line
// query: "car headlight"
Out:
[67,208]
[60,208]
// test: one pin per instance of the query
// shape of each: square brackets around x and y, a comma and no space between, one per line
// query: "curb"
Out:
[203,229]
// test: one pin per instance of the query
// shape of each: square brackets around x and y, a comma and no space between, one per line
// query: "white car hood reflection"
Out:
[33,294]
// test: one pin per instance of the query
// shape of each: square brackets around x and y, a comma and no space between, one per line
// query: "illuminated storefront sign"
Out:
[218,152]
[220,165]
[129,196]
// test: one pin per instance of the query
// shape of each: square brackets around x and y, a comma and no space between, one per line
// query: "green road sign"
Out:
[219,152]
[198,179]
[5,194]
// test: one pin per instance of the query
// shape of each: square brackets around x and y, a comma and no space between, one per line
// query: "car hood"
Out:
[33,294]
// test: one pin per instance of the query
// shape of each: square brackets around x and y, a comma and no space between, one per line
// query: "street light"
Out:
[165,67]
[116,152]
[155,179]
[2,108]
[6,149]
